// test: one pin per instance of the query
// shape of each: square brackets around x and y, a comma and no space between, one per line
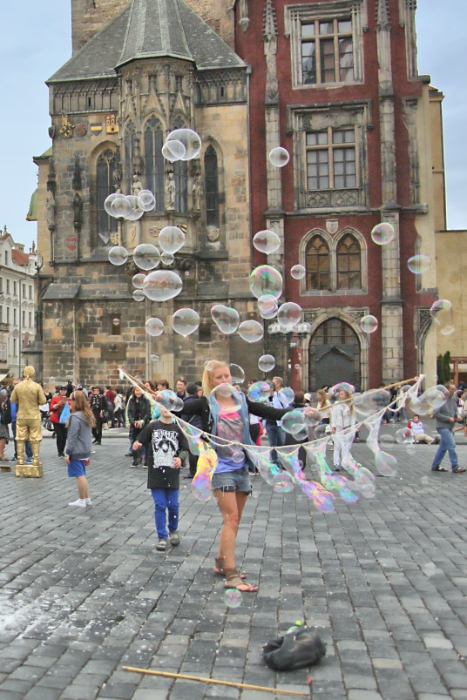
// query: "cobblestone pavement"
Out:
[84,592]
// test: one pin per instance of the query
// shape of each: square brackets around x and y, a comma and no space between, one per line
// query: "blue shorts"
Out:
[77,467]
[230,482]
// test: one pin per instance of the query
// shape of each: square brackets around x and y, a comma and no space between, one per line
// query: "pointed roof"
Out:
[149,29]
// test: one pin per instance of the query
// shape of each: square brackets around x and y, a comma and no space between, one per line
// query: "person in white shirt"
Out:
[342,417]
[418,432]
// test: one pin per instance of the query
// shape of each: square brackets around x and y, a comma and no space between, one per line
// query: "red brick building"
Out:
[336,83]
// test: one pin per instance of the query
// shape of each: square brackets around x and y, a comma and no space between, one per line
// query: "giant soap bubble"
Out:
[162,285]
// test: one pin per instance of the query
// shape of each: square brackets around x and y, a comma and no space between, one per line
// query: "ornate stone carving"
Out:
[170,192]
[244,21]
[50,211]
[347,199]
[77,211]
[77,182]
[318,200]
[196,192]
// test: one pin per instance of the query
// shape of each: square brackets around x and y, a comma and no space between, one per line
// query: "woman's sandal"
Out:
[459,470]
[440,469]
[233,580]
[219,567]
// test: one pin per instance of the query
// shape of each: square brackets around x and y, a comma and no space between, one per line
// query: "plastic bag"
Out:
[65,414]
[295,650]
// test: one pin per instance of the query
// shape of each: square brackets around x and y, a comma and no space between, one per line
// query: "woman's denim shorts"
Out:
[230,482]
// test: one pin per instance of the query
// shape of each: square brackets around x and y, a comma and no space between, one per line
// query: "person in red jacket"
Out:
[56,407]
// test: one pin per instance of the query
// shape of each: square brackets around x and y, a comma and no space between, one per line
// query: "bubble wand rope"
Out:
[166,674]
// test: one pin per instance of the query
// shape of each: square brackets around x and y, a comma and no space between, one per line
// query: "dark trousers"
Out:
[193,459]
[61,433]
[97,431]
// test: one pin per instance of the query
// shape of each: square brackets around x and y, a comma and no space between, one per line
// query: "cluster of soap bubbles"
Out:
[441,312]
[130,207]
[181,144]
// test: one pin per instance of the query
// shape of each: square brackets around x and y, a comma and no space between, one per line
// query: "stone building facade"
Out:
[336,83]
[144,70]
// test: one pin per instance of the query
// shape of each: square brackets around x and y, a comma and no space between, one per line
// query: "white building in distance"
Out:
[17,303]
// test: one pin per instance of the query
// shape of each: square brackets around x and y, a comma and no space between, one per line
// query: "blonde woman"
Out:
[228,418]
[342,417]
[324,407]
[78,445]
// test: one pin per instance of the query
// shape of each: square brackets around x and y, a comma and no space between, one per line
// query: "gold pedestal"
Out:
[4,468]
[29,470]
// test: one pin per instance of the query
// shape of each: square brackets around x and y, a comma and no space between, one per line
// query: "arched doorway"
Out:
[334,355]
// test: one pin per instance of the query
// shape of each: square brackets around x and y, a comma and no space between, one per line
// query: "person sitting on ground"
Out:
[78,445]
[417,431]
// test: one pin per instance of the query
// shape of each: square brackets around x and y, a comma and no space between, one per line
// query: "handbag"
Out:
[65,414]
[297,649]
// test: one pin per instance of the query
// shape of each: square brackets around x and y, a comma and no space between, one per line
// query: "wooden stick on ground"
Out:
[211,680]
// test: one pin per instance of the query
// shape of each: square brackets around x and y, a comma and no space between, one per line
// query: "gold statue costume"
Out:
[28,396]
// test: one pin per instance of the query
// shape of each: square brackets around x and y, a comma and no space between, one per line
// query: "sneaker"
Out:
[133,465]
[88,501]
[80,503]
[161,545]
[174,538]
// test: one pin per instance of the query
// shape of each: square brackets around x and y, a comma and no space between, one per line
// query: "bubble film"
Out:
[120,207]
[279,157]
[266,363]
[154,326]
[441,312]
[266,280]
[233,598]
[171,239]
[237,374]
[138,280]
[268,306]
[139,295]
[190,140]
[289,315]
[259,391]
[369,324]
[173,150]
[136,212]
[251,331]
[167,259]
[169,400]
[266,242]
[382,234]
[162,285]
[146,200]
[418,264]
[298,272]
[293,422]
[185,322]
[118,255]
[282,483]
[146,256]
[108,203]
[225,318]
[286,395]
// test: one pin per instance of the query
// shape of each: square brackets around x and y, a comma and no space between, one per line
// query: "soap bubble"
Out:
[418,264]
[155,358]
[385,464]
[224,389]
[146,256]
[342,386]
[237,374]
[410,449]
[120,207]
[251,331]
[138,280]
[369,324]
[289,315]
[441,312]
[233,598]
[171,239]
[136,212]
[259,391]
[118,255]
[323,501]
[286,395]
[312,416]
[173,150]
[108,203]
[185,322]
[293,422]
[225,318]
[170,401]
[190,140]
[162,285]
[386,439]
[266,280]
[382,234]
[209,365]
[435,396]
[279,157]
[154,326]
[238,457]
[268,306]
[282,483]
[138,295]
[298,272]
[167,259]
[266,363]
[266,242]
[146,200]
[403,436]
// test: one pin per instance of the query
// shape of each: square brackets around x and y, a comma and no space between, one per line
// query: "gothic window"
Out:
[331,159]
[317,259]
[180,170]
[154,160]
[211,180]
[348,263]
[105,185]
[129,145]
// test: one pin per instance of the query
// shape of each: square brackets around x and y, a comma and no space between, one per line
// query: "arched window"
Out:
[105,185]
[317,264]
[349,263]
[129,153]
[211,184]
[180,177]
[154,160]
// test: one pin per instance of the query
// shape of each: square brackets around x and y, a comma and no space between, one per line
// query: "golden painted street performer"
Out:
[28,396]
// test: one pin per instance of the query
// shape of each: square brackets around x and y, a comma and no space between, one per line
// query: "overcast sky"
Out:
[35,42]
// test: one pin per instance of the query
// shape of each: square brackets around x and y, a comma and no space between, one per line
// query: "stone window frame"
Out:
[331,146]
[296,15]
[95,241]
[159,195]
[333,243]
[302,119]
[209,139]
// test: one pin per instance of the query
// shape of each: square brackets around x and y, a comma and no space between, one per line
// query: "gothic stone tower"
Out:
[155,66]
[336,83]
